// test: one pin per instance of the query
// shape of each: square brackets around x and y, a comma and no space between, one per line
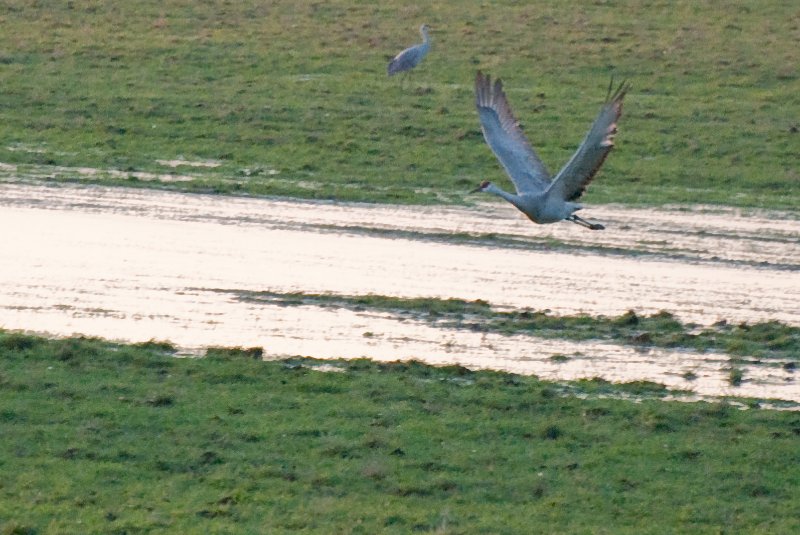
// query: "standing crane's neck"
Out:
[423,30]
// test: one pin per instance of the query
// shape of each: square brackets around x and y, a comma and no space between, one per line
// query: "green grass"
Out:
[291,98]
[106,438]
[767,340]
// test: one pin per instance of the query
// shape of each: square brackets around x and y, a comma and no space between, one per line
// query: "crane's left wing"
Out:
[407,59]
[506,139]
[573,178]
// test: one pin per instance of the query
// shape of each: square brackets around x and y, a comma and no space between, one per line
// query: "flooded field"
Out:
[136,265]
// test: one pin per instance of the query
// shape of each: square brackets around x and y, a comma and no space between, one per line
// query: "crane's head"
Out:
[482,187]
[424,29]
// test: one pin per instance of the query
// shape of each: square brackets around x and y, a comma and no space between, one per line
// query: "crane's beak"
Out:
[476,190]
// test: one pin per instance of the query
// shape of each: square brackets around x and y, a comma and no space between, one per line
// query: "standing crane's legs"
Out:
[584,223]
[406,80]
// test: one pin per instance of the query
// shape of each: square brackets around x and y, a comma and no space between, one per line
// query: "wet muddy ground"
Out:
[136,265]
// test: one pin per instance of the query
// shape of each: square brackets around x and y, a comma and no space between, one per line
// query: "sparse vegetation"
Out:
[735,376]
[770,339]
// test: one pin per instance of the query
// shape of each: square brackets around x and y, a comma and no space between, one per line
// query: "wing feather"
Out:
[571,181]
[506,139]
[407,59]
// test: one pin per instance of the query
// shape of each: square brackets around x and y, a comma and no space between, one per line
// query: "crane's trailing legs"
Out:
[580,221]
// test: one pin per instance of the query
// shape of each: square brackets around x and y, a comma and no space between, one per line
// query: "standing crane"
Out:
[542,199]
[411,56]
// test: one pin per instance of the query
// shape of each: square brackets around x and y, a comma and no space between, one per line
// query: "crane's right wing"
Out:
[573,178]
[506,139]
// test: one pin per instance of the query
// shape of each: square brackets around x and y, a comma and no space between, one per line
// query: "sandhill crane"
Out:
[411,56]
[541,199]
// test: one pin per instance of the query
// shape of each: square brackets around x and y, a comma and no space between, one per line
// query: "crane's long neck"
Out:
[510,197]
[425,39]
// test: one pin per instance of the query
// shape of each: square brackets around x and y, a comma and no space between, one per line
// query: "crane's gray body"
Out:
[539,207]
[411,56]
[542,199]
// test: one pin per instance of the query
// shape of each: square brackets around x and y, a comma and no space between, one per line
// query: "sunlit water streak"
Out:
[126,264]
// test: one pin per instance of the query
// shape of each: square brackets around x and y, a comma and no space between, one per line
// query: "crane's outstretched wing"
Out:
[506,139]
[573,178]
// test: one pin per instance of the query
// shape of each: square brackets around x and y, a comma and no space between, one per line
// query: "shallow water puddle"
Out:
[188,163]
[121,263]
[209,318]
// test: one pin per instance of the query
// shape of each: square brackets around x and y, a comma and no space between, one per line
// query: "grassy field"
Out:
[291,98]
[104,438]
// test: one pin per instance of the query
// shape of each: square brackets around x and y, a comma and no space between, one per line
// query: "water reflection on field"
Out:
[137,265]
